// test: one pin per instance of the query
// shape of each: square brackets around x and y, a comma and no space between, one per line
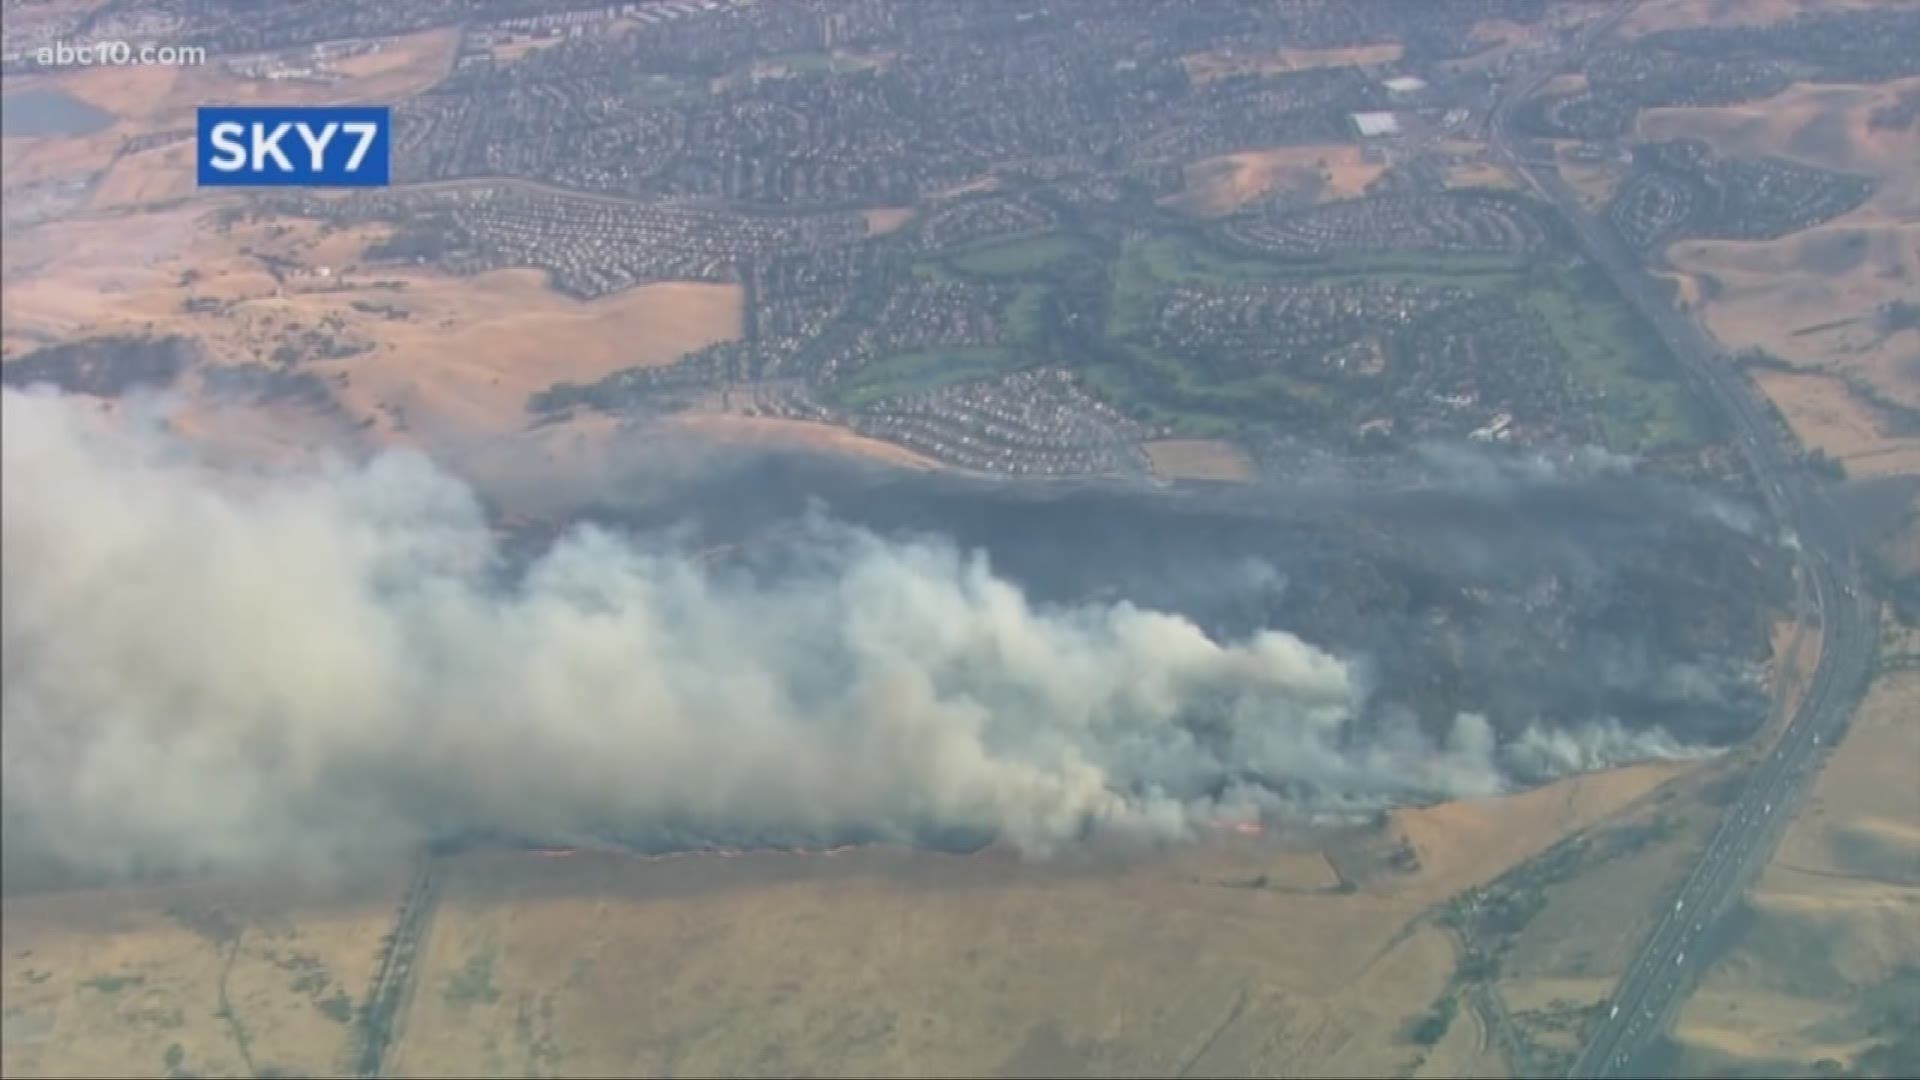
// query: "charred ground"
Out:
[1503,586]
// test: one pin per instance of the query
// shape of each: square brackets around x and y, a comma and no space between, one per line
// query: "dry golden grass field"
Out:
[1827,414]
[1594,183]
[1198,459]
[887,219]
[1810,296]
[1823,968]
[1478,174]
[1223,184]
[772,432]
[1570,953]
[1208,66]
[1230,955]
[1306,953]
[444,355]
[1827,953]
[456,367]
[153,99]
[1650,16]
[216,979]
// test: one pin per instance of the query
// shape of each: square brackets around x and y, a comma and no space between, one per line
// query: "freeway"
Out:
[385,1007]
[1661,974]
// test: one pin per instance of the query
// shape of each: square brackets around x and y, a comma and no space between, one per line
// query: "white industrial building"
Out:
[1373,124]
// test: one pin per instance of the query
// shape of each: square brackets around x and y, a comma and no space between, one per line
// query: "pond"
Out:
[37,113]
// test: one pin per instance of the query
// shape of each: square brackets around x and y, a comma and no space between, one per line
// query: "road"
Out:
[385,1007]
[1664,970]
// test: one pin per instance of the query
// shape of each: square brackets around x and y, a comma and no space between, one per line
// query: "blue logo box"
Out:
[286,146]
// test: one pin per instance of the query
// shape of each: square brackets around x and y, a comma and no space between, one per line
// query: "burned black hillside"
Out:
[1559,599]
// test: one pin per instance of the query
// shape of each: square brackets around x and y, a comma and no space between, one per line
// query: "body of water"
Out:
[39,113]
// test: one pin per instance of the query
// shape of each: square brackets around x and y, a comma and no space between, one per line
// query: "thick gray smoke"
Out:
[210,670]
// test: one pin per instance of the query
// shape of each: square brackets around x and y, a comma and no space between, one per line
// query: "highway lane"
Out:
[384,1010]
[1665,968]
[1661,974]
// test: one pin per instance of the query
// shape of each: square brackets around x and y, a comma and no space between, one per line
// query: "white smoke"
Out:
[210,670]
[1541,753]
[1482,470]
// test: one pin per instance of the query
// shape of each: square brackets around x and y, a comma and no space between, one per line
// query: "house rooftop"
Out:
[1376,123]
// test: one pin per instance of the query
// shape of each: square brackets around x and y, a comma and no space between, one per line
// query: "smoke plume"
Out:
[205,669]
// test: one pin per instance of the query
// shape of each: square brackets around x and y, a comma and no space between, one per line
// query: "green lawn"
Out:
[1122,385]
[666,90]
[1025,315]
[1184,259]
[1610,353]
[918,372]
[1013,258]
[1147,265]
[932,270]
[809,62]
[813,63]
[1166,390]
[1643,404]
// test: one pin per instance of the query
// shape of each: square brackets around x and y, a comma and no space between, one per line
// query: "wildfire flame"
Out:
[1243,828]
[709,852]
